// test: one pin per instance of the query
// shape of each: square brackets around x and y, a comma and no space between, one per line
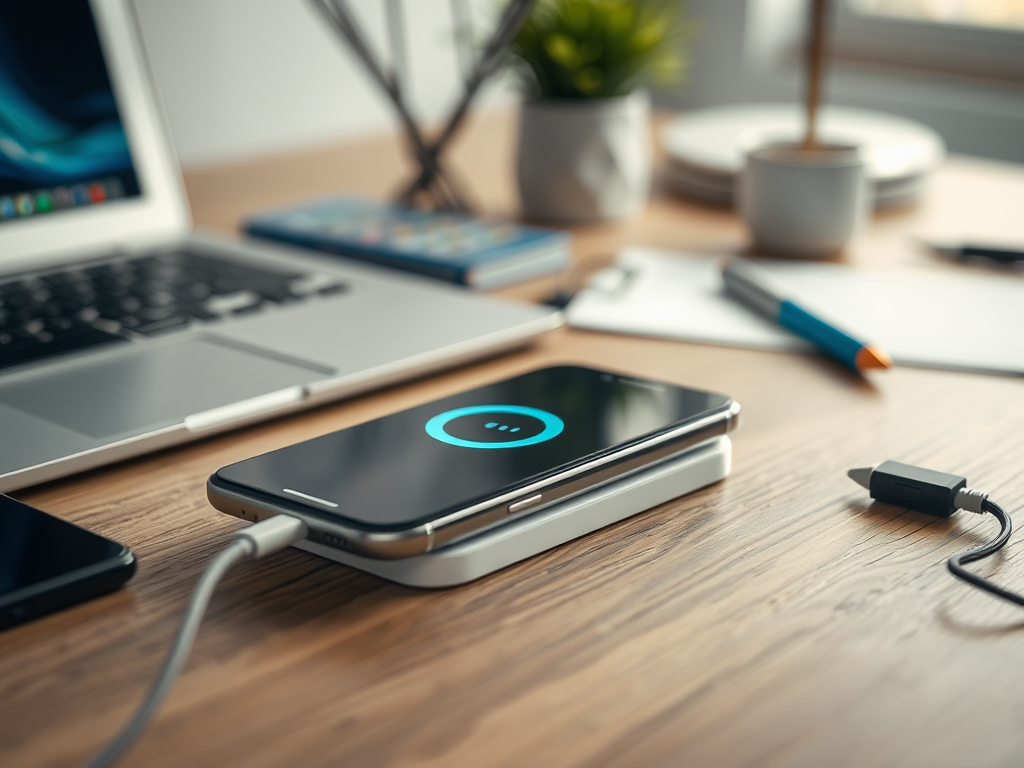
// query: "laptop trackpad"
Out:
[152,387]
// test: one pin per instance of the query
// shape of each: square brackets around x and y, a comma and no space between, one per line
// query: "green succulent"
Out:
[596,49]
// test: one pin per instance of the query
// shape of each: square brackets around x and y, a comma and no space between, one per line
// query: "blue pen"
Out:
[759,291]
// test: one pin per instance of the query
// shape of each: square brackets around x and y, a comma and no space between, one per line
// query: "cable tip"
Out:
[272,534]
[872,357]
[861,476]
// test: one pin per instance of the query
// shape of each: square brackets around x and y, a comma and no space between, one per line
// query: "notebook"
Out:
[950,321]
[450,246]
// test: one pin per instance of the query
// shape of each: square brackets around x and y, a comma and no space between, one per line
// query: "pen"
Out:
[759,291]
[965,251]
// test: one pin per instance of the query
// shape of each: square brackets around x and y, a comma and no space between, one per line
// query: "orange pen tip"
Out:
[872,357]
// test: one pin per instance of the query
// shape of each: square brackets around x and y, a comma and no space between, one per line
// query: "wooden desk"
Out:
[773,619]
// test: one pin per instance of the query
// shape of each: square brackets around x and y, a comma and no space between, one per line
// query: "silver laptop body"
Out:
[337,328]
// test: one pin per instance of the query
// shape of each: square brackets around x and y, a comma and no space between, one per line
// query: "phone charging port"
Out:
[329,539]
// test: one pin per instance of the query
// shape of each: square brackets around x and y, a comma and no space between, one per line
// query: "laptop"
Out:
[122,330]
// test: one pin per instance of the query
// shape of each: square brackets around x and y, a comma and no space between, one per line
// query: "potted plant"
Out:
[584,139]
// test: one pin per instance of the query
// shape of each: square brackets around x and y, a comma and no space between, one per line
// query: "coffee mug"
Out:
[806,203]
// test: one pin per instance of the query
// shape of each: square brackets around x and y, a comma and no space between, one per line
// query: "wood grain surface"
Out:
[774,619]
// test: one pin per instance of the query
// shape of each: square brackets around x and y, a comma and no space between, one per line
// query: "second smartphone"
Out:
[416,480]
[47,563]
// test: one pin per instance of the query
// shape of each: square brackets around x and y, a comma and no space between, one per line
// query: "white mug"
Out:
[800,202]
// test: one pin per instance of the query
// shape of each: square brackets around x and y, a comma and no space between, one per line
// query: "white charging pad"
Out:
[500,547]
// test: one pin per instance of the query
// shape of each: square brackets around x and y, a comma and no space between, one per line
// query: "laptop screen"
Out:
[62,142]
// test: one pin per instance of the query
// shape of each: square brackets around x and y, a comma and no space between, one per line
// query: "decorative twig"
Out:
[341,20]
[432,179]
[513,17]
[397,43]
[463,37]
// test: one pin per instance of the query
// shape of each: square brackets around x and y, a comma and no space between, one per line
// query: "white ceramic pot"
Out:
[580,161]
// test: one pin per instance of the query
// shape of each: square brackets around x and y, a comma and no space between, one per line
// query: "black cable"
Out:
[942,495]
[956,562]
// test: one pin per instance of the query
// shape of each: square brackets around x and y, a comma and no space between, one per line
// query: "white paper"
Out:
[962,321]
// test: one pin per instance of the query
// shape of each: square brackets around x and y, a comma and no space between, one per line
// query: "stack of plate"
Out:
[706,148]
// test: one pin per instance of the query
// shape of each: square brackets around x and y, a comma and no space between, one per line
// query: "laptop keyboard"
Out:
[116,301]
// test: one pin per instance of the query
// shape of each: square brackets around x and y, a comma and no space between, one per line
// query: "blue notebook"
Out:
[450,246]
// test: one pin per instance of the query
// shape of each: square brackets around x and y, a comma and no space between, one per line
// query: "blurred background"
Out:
[242,78]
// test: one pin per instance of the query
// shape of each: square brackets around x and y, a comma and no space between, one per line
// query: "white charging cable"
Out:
[259,540]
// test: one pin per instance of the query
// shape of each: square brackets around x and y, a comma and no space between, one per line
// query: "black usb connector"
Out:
[923,490]
[942,495]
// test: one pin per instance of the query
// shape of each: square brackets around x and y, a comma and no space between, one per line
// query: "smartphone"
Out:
[411,482]
[47,564]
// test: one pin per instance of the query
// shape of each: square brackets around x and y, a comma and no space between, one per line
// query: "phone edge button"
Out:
[524,503]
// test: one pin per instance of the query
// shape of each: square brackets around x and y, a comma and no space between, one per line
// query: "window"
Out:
[907,57]
[971,38]
[998,14]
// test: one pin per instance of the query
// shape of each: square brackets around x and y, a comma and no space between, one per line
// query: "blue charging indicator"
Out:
[553,426]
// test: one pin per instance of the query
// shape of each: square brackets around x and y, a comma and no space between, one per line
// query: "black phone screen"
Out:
[412,466]
[36,547]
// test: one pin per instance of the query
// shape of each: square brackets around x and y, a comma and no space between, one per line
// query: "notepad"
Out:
[451,246]
[955,321]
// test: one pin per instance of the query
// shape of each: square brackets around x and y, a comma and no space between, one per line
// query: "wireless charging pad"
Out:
[498,548]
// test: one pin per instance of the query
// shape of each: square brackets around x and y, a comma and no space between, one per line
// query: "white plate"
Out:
[706,147]
[715,140]
[698,186]
[717,189]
